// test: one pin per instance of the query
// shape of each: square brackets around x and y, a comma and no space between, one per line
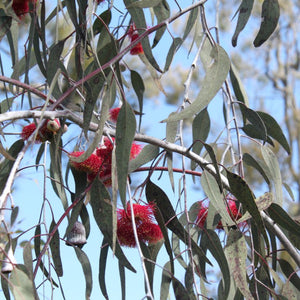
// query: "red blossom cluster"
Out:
[133,35]
[21,7]
[46,132]
[147,230]
[113,114]
[232,210]
[100,161]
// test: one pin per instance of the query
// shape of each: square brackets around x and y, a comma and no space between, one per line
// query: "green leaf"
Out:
[139,89]
[215,76]
[148,153]
[240,189]
[193,16]
[27,257]
[270,16]
[290,273]
[179,290]
[138,17]
[6,165]
[87,270]
[55,173]
[122,280]
[21,285]
[282,218]
[6,104]
[102,268]
[211,239]
[14,215]
[201,128]
[274,130]
[236,253]
[211,189]
[104,18]
[37,250]
[253,132]
[4,279]
[158,196]
[55,250]
[244,11]
[254,118]
[102,211]
[274,172]
[251,161]
[145,3]
[125,131]
[165,281]
[162,12]
[5,23]
[238,87]
[177,42]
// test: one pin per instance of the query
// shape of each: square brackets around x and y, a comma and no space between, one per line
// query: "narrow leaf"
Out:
[87,270]
[270,16]
[148,153]
[244,13]
[165,282]
[236,253]
[274,172]
[55,250]
[126,125]
[215,76]
[274,130]
[21,285]
[177,42]
[211,189]
[102,268]
[242,192]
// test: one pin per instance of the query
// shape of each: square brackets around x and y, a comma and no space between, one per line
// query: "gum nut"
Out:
[77,235]
[9,262]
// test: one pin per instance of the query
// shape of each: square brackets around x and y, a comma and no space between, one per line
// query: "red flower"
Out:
[135,150]
[133,34]
[202,215]
[231,209]
[91,165]
[113,114]
[21,7]
[46,133]
[147,231]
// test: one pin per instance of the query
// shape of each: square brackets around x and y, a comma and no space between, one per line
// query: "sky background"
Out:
[28,192]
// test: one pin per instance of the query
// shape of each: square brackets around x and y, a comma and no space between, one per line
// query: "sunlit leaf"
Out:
[126,125]
[212,190]
[270,16]
[148,153]
[215,76]
[21,285]
[274,171]
[236,254]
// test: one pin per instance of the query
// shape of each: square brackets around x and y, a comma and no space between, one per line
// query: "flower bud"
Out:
[77,235]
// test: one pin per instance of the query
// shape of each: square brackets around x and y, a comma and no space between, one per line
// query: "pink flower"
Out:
[147,230]
[133,34]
